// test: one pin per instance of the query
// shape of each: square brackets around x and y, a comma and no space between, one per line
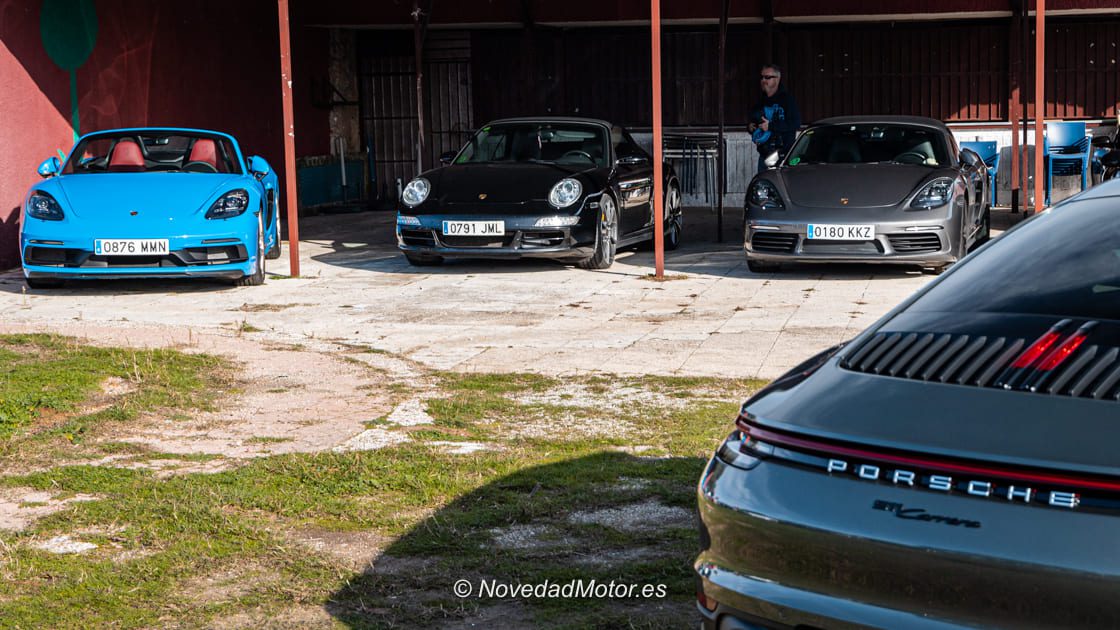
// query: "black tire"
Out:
[675,218]
[985,234]
[757,266]
[935,271]
[274,251]
[256,278]
[423,260]
[45,283]
[606,235]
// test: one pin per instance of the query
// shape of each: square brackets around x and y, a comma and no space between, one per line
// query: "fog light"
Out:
[407,220]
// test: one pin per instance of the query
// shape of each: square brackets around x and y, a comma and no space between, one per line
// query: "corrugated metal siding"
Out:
[1081,60]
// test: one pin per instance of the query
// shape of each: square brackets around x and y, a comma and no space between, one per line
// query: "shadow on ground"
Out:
[605,518]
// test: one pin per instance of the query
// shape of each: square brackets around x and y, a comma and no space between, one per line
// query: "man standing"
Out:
[774,119]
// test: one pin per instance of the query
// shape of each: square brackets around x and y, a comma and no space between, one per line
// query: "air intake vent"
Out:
[1088,371]
[776,242]
[914,243]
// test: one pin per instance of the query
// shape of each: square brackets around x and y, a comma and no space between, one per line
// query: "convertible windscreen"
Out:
[147,153]
[870,143]
[538,142]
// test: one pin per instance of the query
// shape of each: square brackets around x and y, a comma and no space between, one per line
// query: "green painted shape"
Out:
[69,31]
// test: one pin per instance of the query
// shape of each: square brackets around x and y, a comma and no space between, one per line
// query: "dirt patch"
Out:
[613,400]
[229,583]
[64,544]
[529,537]
[356,551]
[313,397]
[21,507]
[572,425]
[642,517]
[294,618]
[410,413]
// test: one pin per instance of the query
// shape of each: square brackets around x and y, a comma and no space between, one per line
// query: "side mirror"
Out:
[632,160]
[970,157]
[448,157]
[259,167]
[1103,142]
[50,167]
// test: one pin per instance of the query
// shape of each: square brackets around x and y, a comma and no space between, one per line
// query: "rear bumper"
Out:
[786,546]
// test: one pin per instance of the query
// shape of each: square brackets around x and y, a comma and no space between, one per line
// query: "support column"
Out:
[289,138]
[720,143]
[658,193]
[1015,67]
[1039,103]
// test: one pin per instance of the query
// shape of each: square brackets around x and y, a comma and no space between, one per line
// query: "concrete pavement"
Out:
[712,317]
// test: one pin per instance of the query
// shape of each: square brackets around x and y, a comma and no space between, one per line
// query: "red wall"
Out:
[207,63]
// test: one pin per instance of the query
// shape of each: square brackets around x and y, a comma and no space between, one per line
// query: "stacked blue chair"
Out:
[1067,152]
[988,150]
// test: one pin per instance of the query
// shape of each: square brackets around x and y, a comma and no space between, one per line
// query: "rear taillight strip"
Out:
[827,448]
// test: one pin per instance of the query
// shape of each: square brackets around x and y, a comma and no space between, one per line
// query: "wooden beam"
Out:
[289,138]
[658,193]
[420,17]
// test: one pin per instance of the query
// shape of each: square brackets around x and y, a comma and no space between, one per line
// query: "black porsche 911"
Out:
[955,465]
[567,188]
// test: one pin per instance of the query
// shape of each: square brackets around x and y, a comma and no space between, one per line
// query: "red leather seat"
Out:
[126,157]
[204,150]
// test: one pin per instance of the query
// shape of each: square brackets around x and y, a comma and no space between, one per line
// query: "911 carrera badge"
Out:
[920,514]
[1007,490]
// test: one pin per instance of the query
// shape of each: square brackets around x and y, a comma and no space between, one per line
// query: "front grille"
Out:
[54,256]
[915,243]
[814,246]
[542,239]
[776,242]
[476,241]
[983,361]
[422,238]
[170,260]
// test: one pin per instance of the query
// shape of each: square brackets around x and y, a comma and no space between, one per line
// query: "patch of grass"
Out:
[267,439]
[439,512]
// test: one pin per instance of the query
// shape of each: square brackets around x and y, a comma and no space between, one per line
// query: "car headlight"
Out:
[557,221]
[565,192]
[763,193]
[229,205]
[416,192]
[934,194]
[406,220]
[43,206]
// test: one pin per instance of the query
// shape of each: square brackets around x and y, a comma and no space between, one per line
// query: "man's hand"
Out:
[764,125]
[751,127]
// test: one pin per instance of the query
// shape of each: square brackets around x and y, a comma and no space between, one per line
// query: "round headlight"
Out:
[416,192]
[565,193]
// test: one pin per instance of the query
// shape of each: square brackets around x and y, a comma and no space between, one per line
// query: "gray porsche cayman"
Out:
[889,189]
[955,465]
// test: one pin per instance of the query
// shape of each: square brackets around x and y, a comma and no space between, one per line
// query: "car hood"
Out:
[152,195]
[857,403]
[500,183]
[863,185]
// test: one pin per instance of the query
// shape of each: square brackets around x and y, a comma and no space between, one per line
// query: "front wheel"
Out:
[274,251]
[606,236]
[422,260]
[674,216]
[757,266]
[257,277]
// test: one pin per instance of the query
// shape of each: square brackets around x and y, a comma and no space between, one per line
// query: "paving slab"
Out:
[711,316]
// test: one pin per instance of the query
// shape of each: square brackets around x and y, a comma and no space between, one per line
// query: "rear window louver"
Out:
[1088,371]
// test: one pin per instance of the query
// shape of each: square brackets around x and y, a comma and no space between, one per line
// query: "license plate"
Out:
[130,247]
[474,228]
[829,232]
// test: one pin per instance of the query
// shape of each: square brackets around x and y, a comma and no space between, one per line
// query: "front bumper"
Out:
[783,545]
[211,256]
[896,242]
[522,239]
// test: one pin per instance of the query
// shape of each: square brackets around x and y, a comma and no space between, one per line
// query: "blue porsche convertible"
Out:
[151,202]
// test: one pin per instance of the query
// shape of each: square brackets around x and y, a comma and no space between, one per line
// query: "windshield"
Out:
[565,143]
[153,152]
[1065,263]
[870,143]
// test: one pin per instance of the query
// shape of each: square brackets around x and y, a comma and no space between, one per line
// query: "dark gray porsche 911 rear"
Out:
[955,465]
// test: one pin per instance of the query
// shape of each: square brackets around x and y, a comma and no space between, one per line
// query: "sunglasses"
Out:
[767,77]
